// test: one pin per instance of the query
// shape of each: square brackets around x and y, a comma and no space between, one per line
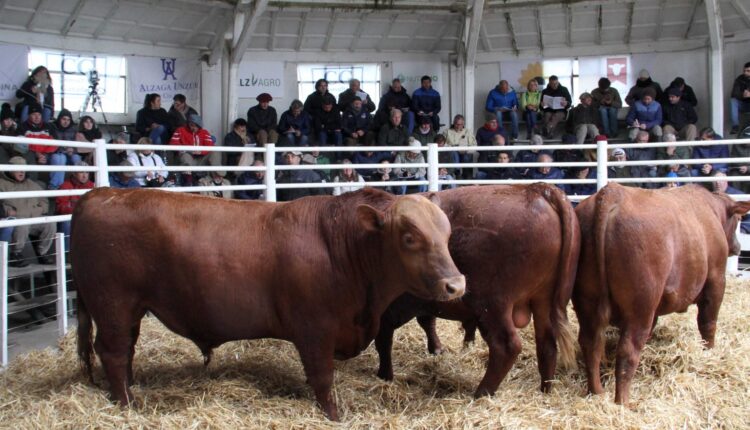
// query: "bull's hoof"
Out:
[546,386]
[468,343]
[483,392]
[437,351]
[385,375]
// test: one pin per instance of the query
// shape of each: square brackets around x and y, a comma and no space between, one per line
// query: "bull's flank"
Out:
[260,384]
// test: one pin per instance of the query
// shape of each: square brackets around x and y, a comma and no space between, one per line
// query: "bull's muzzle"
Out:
[451,288]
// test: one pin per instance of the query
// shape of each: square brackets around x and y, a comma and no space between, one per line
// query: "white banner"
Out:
[256,77]
[166,77]
[14,69]
[411,74]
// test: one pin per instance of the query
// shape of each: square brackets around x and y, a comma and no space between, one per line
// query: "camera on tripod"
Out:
[93,78]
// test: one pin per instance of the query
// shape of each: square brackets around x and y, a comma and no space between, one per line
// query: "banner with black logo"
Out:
[14,69]
[166,77]
[256,77]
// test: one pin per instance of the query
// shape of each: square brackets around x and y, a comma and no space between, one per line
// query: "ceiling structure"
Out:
[435,26]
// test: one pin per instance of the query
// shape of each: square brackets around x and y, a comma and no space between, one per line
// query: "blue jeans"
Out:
[159,135]
[737,106]
[60,159]
[609,120]
[6,234]
[513,121]
[64,228]
[401,190]
[335,136]
[530,116]
[296,141]
[46,114]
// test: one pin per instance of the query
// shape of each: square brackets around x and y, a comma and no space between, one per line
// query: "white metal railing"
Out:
[270,185]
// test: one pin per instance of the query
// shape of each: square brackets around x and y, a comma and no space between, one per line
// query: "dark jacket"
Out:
[354,121]
[248,178]
[688,95]
[561,91]
[29,98]
[328,121]
[347,97]
[714,151]
[147,116]
[261,119]
[425,100]
[580,115]
[636,91]
[298,177]
[176,119]
[424,139]
[741,84]
[554,173]
[486,137]
[679,115]
[65,133]
[399,100]
[301,122]
[392,136]
[361,157]
[314,103]
[233,139]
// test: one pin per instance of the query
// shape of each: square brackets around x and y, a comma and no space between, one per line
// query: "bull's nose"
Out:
[454,287]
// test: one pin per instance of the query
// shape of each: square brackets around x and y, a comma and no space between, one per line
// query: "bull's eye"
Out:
[409,240]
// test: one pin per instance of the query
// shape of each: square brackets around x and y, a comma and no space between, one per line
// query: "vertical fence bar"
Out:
[601,164]
[4,303]
[62,283]
[432,167]
[100,157]
[270,178]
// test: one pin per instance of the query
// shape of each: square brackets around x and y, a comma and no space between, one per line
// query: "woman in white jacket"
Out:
[353,180]
[147,158]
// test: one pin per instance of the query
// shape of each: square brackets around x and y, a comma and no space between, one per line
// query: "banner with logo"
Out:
[166,77]
[256,77]
[14,69]
[410,74]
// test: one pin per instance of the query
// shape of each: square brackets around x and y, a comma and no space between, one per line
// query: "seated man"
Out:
[740,101]
[618,154]
[64,204]
[215,179]
[580,189]
[123,179]
[297,177]
[529,156]
[679,116]
[583,118]
[251,178]
[262,122]
[500,173]
[607,101]
[424,134]
[355,90]
[193,134]
[675,153]
[398,98]
[645,115]
[425,101]
[712,151]
[356,124]
[414,156]
[444,157]
[157,176]
[328,125]
[179,112]
[554,113]
[370,157]
[31,207]
[643,83]
[686,92]
[295,125]
[502,101]
[642,154]
[544,173]
[44,154]
[239,138]
[393,133]
[314,102]
[459,135]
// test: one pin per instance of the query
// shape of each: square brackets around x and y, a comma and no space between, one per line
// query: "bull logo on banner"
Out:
[617,69]
[168,66]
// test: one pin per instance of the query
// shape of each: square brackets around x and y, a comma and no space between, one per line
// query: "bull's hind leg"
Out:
[113,344]
[134,333]
[591,340]
[427,322]
[632,338]
[470,331]
[709,303]
[504,346]
[546,346]
[316,354]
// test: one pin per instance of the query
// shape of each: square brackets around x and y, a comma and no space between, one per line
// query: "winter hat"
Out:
[415,145]
[63,113]
[643,74]
[17,160]
[34,108]
[674,92]
[6,112]
[195,119]
[618,151]
[426,120]
[264,98]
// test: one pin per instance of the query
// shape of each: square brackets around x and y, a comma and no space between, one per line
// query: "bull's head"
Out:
[416,233]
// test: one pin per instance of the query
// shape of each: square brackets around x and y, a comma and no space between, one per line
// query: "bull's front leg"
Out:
[316,353]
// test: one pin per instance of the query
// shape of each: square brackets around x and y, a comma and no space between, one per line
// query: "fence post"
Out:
[270,178]
[62,283]
[432,167]
[4,304]
[601,162]
[100,158]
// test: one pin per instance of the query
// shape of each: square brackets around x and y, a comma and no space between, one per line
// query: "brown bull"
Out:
[646,253]
[518,247]
[317,272]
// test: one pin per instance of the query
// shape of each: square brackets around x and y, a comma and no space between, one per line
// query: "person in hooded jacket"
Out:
[644,81]
[37,91]
[686,92]
[153,121]
[397,98]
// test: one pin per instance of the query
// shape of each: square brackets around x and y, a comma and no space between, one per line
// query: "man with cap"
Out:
[262,121]
[294,158]
[425,101]
[8,127]
[583,118]
[618,154]
[355,90]
[193,134]
[64,205]
[123,179]
[30,207]
[645,115]
[679,116]
[180,111]
[554,114]
[412,156]
[637,91]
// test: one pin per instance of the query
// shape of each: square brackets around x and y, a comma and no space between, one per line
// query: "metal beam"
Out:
[251,22]
[744,14]
[219,40]
[387,31]
[629,28]
[358,31]
[696,3]
[538,20]
[401,6]
[301,33]
[473,36]
[34,16]
[440,36]
[599,23]
[715,65]
[659,19]
[509,23]
[200,25]
[73,17]
[272,31]
[568,25]
[329,33]
[112,11]
[486,44]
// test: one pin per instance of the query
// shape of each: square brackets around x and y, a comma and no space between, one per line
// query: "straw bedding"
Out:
[260,384]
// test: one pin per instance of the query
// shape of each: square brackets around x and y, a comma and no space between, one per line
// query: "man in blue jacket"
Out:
[645,115]
[425,101]
[502,100]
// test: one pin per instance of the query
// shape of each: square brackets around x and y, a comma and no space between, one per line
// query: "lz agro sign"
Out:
[256,77]
[164,76]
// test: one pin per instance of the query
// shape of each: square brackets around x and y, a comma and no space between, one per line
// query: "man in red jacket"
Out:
[64,205]
[193,134]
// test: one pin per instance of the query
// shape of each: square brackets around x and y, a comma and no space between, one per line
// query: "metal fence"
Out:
[102,171]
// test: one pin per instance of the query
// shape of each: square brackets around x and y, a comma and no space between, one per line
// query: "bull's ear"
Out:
[370,218]
[434,198]
[741,208]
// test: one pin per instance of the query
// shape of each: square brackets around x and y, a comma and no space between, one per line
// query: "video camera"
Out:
[93,78]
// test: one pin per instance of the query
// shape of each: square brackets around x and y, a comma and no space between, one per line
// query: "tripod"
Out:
[93,99]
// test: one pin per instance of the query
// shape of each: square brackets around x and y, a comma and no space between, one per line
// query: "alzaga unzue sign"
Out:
[164,76]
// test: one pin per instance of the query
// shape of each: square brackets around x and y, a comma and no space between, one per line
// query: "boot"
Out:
[17,260]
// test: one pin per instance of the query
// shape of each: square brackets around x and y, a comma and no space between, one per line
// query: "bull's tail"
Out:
[567,267]
[606,202]
[85,339]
